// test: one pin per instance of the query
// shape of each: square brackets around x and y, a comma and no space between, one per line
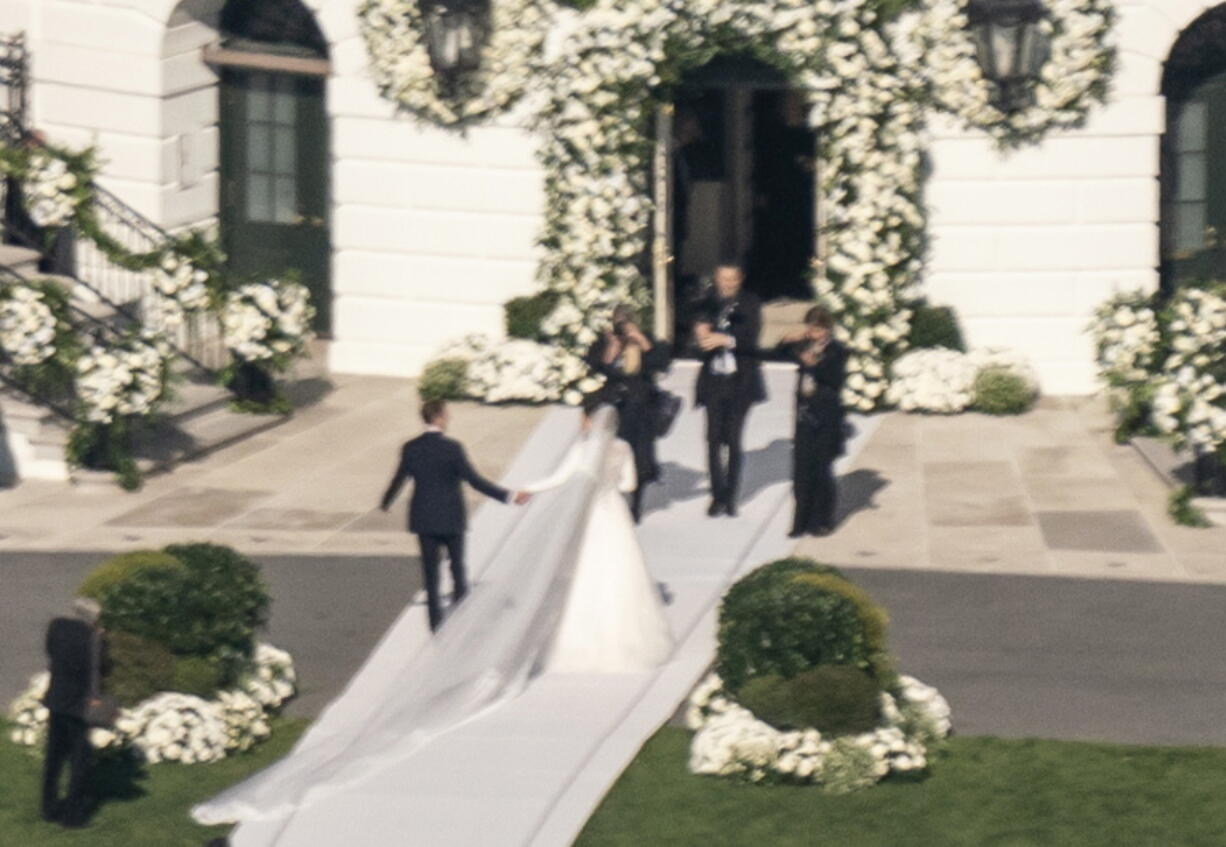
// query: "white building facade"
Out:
[429,232]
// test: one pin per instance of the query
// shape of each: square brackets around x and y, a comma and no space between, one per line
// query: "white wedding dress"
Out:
[566,587]
[613,619]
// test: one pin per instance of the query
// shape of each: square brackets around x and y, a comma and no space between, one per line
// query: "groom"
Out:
[438,465]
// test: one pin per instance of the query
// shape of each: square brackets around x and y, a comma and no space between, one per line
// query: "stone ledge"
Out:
[1175,471]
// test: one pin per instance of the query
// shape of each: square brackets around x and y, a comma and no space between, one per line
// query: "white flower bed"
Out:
[518,370]
[1074,78]
[27,325]
[267,320]
[125,378]
[48,190]
[730,741]
[943,381]
[176,727]
[400,63]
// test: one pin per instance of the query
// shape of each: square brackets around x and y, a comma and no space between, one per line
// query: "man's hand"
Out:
[714,341]
[521,497]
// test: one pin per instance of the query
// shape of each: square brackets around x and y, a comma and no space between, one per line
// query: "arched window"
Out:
[1193,167]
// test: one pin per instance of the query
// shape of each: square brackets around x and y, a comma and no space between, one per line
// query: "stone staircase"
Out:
[196,421]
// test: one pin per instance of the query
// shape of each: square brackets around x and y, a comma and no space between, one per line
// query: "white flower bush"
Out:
[1074,77]
[49,189]
[179,289]
[943,381]
[400,62]
[730,741]
[28,325]
[174,727]
[270,320]
[1189,401]
[518,370]
[1126,338]
[124,378]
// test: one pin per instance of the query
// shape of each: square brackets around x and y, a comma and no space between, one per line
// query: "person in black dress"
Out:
[819,435]
[730,380]
[629,358]
[438,466]
[76,652]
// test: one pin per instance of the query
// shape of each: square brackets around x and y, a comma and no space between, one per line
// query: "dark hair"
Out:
[731,265]
[819,316]
[624,312]
[591,402]
[432,410]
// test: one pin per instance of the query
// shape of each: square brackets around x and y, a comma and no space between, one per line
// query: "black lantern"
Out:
[455,33]
[1010,44]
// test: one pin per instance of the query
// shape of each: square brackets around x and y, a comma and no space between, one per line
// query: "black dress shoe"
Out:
[822,531]
[716,508]
[796,533]
[730,509]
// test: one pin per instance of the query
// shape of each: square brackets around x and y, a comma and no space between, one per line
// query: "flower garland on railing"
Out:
[400,62]
[730,741]
[176,727]
[1074,78]
[29,325]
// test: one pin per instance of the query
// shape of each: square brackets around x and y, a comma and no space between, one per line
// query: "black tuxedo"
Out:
[438,467]
[727,398]
[819,435]
[71,655]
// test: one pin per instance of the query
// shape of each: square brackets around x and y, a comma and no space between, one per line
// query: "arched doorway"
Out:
[742,182]
[274,157]
[1193,165]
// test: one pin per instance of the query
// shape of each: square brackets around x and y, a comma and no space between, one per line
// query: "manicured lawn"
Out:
[149,811]
[984,792]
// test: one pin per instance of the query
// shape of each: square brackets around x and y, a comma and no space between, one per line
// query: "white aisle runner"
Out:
[531,772]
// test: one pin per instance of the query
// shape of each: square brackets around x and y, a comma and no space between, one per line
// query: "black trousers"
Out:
[431,546]
[813,484]
[636,503]
[67,743]
[726,413]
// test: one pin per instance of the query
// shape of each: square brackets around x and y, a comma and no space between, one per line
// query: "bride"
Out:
[565,589]
[612,619]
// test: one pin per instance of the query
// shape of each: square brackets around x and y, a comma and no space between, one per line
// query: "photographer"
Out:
[819,434]
[629,359]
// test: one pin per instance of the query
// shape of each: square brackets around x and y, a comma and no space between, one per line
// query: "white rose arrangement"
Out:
[942,381]
[125,378]
[1189,400]
[178,289]
[394,33]
[519,370]
[28,325]
[174,727]
[730,741]
[1126,338]
[267,321]
[52,192]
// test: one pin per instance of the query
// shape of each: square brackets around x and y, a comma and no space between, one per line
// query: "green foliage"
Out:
[935,326]
[444,379]
[121,567]
[847,768]
[774,622]
[834,699]
[105,447]
[523,315]
[197,675]
[255,389]
[139,668]
[873,619]
[1132,405]
[999,391]
[1180,508]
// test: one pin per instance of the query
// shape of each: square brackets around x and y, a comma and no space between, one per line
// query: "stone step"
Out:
[198,435]
[22,260]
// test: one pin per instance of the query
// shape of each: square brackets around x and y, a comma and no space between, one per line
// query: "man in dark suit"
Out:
[438,465]
[730,380]
[76,653]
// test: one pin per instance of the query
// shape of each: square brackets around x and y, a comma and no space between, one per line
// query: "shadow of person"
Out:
[764,467]
[856,492]
[115,776]
[677,484]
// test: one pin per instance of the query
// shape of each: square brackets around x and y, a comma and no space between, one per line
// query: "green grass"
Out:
[148,811]
[982,792]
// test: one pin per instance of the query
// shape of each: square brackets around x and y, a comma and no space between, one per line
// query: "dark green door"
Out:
[274,180]
[1194,217]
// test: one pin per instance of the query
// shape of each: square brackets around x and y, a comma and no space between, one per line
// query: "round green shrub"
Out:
[121,567]
[196,675]
[773,622]
[228,601]
[444,379]
[524,315]
[999,391]
[152,603]
[139,668]
[834,699]
[935,326]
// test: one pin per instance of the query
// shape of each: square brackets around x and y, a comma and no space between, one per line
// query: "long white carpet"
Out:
[531,772]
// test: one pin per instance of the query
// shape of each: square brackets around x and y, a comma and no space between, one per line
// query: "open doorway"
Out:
[742,184]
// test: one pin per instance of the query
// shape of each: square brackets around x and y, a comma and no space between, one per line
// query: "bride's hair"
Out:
[592,402]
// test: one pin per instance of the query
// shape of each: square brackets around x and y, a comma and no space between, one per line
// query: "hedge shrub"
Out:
[773,622]
[999,391]
[444,379]
[524,315]
[123,566]
[935,326]
[197,675]
[834,699]
[139,668]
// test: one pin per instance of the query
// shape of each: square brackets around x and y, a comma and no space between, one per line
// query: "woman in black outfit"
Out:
[629,359]
[820,418]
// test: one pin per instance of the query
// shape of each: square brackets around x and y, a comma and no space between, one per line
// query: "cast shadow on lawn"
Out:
[116,778]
